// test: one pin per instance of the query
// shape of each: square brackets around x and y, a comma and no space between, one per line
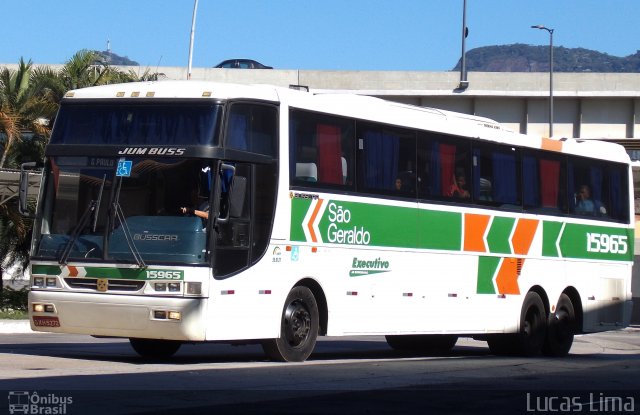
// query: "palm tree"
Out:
[29,100]
[22,107]
[15,238]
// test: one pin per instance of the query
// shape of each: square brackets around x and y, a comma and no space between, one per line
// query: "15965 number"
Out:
[612,244]
[164,275]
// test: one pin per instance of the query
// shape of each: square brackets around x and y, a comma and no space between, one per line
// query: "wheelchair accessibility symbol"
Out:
[124,168]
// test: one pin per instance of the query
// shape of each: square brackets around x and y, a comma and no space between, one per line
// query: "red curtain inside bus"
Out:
[447,167]
[329,154]
[549,182]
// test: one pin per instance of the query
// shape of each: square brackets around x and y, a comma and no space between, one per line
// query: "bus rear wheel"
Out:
[425,343]
[155,349]
[561,328]
[298,328]
[533,329]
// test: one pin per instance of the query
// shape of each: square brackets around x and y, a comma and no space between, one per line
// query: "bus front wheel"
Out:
[155,349]
[298,328]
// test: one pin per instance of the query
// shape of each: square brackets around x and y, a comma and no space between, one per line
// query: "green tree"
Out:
[29,100]
[15,238]
[23,108]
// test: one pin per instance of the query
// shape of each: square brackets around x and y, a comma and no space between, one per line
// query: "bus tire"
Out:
[427,343]
[533,326]
[533,329]
[561,328]
[155,349]
[298,328]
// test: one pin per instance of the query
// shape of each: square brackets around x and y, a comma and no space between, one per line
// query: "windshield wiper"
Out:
[127,235]
[117,213]
[97,209]
[92,209]
[84,220]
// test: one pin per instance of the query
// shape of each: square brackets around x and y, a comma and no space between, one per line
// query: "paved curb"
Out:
[15,326]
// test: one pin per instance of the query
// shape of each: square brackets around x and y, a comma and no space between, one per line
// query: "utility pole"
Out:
[193,31]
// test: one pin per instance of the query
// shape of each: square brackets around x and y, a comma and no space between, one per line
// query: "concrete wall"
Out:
[586,105]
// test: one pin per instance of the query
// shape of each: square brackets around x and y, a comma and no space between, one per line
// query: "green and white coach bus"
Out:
[186,211]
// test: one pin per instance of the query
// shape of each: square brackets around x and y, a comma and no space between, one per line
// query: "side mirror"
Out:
[26,176]
[227,175]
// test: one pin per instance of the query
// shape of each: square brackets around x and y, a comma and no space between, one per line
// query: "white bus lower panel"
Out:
[117,315]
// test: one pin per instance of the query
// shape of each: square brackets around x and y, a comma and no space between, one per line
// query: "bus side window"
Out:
[321,152]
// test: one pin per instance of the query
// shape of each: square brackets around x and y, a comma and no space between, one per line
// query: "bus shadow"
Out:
[119,350]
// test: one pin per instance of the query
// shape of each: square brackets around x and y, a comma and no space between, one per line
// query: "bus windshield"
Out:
[93,212]
[163,123]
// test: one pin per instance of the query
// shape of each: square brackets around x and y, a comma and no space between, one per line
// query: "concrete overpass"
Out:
[586,105]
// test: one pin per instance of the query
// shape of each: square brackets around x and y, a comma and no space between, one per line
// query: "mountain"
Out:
[111,58]
[528,58]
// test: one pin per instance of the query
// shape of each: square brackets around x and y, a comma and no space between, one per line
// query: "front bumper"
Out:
[118,315]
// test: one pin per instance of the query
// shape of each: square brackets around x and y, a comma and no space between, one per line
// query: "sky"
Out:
[405,35]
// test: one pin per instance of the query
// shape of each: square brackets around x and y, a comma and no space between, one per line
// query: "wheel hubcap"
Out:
[297,320]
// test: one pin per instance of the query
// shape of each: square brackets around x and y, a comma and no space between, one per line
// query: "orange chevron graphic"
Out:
[312,220]
[507,277]
[475,227]
[552,145]
[73,271]
[523,235]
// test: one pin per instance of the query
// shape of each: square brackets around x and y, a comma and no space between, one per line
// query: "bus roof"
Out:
[358,106]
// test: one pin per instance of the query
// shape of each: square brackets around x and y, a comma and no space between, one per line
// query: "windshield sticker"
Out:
[124,168]
[295,253]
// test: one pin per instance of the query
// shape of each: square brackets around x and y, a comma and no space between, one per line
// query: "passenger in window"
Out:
[585,205]
[459,186]
[398,184]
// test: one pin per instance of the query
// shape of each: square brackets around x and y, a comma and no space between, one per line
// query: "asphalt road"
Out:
[355,375]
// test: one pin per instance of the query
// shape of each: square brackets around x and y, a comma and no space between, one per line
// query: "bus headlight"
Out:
[194,288]
[174,287]
[160,286]
[52,282]
[38,282]
[44,308]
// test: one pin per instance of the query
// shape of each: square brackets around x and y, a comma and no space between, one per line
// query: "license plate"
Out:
[46,321]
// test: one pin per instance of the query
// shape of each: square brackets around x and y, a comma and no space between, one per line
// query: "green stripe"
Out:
[299,208]
[498,236]
[45,269]
[347,223]
[550,233]
[597,242]
[440,230]
[487,266]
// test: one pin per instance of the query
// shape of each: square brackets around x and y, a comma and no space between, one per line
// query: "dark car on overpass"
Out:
[242,64]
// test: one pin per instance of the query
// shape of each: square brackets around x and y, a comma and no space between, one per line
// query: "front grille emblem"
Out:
[102,284]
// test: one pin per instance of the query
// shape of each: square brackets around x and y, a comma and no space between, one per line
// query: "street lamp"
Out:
[463,64]
[541,27]
[193,30]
